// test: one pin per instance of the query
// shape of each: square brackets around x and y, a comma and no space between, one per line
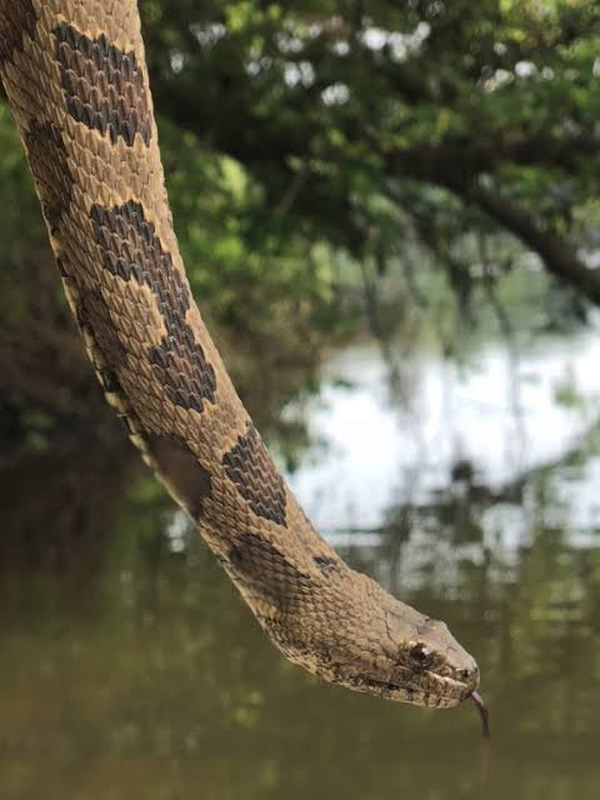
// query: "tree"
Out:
[311,146]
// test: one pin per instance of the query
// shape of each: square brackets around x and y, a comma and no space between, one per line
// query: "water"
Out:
[392,439]
[130,668]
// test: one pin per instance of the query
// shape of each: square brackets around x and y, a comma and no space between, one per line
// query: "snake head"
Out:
[432,668]
[343,626]
[420,661]
[377,645]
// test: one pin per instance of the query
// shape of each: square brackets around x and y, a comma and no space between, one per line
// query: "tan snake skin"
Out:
[76,79]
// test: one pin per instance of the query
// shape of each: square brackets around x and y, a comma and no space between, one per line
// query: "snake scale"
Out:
[77,83]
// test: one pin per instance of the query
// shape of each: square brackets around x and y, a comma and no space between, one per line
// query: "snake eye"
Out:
[421,656]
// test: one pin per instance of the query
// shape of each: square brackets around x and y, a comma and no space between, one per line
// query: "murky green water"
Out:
[130,668]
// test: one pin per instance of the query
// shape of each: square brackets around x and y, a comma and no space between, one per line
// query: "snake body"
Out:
[76,79]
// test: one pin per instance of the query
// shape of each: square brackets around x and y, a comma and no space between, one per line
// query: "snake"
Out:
[76,79]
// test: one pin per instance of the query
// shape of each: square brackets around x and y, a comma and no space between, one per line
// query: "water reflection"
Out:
[388,439]
[130,668]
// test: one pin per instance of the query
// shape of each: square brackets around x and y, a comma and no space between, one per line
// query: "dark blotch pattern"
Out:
[104,87]
[131,249]
[267,572]
[16,18]
[326,564]
[183,470]
[48,159]
[93,313]
[250,467]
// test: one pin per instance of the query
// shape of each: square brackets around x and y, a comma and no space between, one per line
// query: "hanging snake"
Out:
[77,83]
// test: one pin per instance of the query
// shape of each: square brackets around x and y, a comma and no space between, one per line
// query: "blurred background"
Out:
[390,217]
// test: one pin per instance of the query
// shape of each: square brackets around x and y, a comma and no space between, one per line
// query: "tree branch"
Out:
[560,258]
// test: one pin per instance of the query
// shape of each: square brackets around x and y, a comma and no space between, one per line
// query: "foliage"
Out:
[333,106]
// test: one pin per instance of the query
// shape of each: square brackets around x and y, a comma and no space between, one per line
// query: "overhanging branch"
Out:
[559,256]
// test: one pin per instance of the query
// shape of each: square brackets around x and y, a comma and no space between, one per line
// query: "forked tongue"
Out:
[483,713]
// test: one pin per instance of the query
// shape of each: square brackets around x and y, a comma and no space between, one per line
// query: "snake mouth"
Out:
[436,691]
[455,693]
